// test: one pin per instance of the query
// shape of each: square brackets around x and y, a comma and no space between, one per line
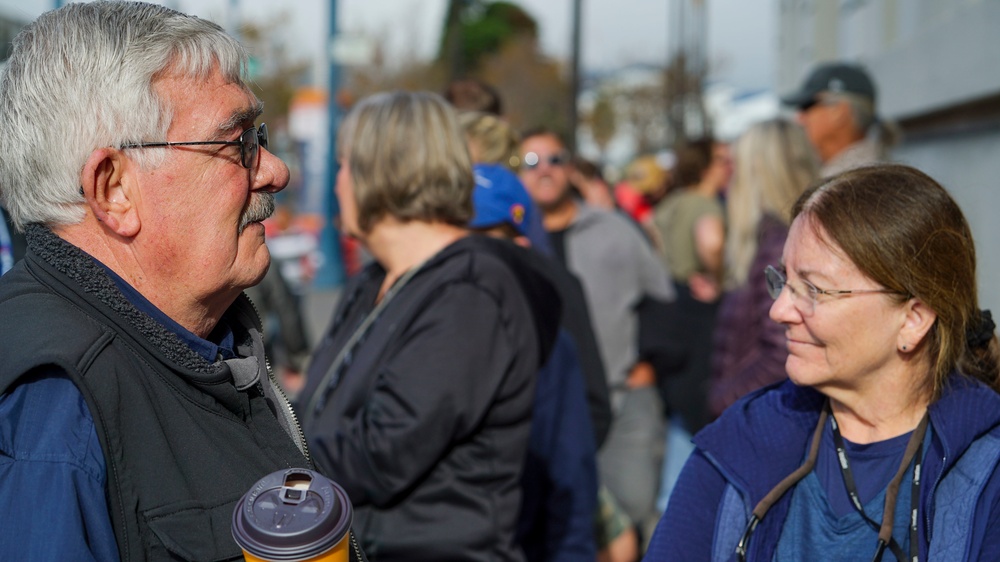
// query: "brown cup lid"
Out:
[292,514]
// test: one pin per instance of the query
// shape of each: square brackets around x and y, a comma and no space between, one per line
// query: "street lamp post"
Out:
[330,273]
[574,85]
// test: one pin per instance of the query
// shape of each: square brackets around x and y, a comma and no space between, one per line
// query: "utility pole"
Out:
[234,18]
[456,39]
[574,77]
[330,273]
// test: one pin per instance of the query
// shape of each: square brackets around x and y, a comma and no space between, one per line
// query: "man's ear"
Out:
[108,193]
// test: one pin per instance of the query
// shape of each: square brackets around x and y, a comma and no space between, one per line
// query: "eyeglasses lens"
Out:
[775,282]
[251,141]
[803,297]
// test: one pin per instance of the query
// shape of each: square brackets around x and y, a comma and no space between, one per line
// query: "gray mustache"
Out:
[261,206]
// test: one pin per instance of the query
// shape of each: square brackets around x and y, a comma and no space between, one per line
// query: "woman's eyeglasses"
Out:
[805,295]
[250,143]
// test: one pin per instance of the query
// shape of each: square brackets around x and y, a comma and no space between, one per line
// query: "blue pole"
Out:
[331,273]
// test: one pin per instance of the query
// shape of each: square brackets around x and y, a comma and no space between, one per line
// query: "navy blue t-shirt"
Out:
[873,466]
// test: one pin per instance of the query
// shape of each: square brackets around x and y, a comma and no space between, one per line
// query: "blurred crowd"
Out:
[660,279]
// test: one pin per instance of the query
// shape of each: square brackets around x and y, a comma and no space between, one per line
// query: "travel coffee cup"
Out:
[294,515]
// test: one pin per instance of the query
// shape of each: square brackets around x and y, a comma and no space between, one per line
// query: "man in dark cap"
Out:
[836,106]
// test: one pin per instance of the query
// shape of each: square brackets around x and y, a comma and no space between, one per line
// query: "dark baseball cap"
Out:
[832,77]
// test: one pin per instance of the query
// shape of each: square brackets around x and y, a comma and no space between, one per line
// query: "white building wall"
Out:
[926,57]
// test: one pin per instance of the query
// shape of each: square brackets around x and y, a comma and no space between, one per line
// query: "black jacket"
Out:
[426,425]
[183,439]
[576,321]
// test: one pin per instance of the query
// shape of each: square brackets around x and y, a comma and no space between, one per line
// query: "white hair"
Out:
[81,78]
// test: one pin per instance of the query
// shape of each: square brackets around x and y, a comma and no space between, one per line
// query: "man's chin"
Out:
[253,228]
[260,267]
[555,204]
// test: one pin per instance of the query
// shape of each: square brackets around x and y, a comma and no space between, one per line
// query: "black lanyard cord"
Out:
[911,455]
[772,497]
[884,528]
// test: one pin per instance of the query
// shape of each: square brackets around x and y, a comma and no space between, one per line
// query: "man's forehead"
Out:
[211,103]
[537,142]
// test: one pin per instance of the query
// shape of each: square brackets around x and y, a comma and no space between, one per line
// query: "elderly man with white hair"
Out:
[136,406]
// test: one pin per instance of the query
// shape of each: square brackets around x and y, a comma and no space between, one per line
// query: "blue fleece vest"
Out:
[955,499]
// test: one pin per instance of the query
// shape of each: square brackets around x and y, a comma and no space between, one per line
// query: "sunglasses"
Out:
[532,160]
[806,106]
[250,143]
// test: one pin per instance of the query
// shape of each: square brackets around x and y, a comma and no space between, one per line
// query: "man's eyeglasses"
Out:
[805,294]
[250,143]
[532,160]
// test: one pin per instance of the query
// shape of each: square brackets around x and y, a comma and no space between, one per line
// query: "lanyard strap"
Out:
[915,503]
[884,528]
[892,491]
[334,372]
[772,497]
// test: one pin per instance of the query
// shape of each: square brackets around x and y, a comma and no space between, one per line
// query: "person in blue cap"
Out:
[560,474]
[500,200]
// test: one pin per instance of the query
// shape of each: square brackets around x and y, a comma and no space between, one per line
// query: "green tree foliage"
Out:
[496,42]
[475,29]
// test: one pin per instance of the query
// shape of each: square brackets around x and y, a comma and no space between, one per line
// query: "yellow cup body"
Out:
[338,553]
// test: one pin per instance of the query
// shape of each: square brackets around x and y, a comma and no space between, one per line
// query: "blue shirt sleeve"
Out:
[52,474]
[687,529]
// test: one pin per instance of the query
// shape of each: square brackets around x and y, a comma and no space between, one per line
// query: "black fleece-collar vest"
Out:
[182,438]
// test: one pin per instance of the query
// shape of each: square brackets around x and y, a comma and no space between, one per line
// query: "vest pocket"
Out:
[191,532]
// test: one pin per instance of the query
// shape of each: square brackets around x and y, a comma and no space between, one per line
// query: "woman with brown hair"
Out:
[887,437]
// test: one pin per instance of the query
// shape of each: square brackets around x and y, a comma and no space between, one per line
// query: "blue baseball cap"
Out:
[500,198]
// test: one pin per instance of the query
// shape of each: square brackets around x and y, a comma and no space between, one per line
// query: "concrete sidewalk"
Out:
[317,312]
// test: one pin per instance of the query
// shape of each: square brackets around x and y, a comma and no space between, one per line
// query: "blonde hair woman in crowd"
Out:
[773,164]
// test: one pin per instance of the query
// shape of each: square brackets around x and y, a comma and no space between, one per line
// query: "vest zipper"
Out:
[360,556]
[287,407]
[280,392]
[933,490]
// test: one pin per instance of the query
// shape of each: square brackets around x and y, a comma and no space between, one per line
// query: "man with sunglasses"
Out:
[618,269]
[836,107]
[136,405]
